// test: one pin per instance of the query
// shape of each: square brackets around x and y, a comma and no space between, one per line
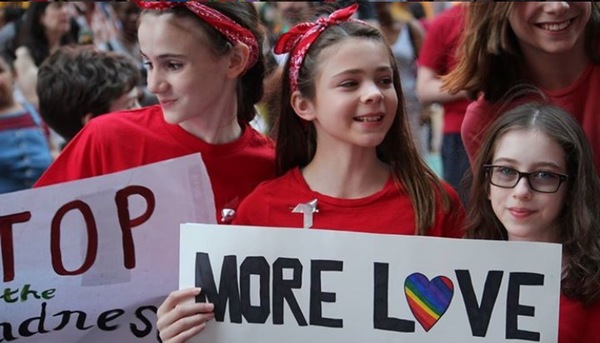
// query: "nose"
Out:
[156,83]
[372,94]
[522,190]
[556,7]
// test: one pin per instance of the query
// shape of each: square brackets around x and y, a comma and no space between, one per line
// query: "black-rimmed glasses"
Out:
[539,181]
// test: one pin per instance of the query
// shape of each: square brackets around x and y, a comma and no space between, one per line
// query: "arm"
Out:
[26,75]
[436,59]
[429,88]
[180,320]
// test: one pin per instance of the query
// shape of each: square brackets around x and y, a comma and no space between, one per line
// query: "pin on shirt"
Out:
[307,209]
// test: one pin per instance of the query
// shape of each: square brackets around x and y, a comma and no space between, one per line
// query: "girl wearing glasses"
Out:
[534,180]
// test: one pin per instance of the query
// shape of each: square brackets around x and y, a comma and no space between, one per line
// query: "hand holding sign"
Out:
[181,312]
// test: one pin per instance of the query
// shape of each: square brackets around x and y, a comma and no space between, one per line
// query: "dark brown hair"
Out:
[580,228]
[77,80]
[296,138]
[32,33]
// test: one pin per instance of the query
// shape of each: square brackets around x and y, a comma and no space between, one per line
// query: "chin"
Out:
[171,118]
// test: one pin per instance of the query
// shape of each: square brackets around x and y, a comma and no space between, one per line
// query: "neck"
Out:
[351,173]
[550,235]
[53,40]
[10,107]
[215,127]
[556,71]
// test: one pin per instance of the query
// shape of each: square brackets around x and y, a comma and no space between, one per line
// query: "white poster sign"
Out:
[307,285]
[91,260]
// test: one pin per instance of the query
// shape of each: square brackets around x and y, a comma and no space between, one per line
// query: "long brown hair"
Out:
[580,228]
[490,59]
[296,139]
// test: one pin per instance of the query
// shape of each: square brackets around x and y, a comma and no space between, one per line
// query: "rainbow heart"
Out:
[428,300]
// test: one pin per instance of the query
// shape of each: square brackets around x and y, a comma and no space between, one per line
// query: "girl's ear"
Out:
[240,54]
[303,107]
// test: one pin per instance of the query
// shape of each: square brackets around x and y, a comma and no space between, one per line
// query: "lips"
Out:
[520,213]
[555,27]
[165,103]
[374,118]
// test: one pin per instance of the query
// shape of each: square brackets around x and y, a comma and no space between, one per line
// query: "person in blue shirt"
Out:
[25,153]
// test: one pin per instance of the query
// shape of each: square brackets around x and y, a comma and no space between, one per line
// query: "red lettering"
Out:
[6,242]
[92,235]
[127,223]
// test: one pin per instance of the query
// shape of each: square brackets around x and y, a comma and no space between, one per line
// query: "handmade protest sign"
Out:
[308,285]
[91,260]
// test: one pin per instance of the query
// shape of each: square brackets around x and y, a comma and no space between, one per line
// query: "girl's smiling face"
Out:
[550,27]
[185,75]
[355,100]
[526,214]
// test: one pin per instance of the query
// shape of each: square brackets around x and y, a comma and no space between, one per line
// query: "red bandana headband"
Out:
[299,38]
[234,32]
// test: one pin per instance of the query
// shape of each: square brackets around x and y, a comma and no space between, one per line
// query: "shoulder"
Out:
[252,145]
[253,210]
[479,106]
[277,187]
[257,138]
[112,129]
[142,118]
[449,17]
[578,323]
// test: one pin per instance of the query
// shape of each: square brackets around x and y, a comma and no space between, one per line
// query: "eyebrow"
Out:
[536,165]
[360,71]
[164,56]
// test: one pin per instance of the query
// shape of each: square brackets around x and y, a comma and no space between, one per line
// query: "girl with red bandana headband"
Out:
[205,67]
[344,153]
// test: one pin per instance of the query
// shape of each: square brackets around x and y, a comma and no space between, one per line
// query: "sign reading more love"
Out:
[299,285]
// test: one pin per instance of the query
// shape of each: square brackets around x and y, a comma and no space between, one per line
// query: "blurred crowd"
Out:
[30,32]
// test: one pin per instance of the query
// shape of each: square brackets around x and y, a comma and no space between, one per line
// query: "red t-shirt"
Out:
[438,53]
[578,324]
[581,99]
[124,140]
[388,211]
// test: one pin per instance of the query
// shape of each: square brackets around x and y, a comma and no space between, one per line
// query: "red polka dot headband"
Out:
[299,38]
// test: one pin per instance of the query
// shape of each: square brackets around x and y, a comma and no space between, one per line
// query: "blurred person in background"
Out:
[25,154]
[79,83]
[437,58]
[45,27]
[405,36]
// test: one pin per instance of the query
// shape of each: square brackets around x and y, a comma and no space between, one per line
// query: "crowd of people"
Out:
[334,103]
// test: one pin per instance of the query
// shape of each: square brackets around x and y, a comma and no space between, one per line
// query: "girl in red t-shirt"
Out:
[344,151]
